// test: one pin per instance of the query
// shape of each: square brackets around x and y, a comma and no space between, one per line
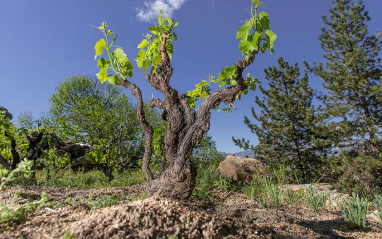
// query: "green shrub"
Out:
[314,199]
[19,214]
[354,210]
[360,174]
[24,168]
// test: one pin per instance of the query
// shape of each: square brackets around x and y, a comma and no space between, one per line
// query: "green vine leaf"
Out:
[149,53]
[271,38]
[264,20]
[143,44]
[254,31]
[113,79]
[120,56]
[246,47]
[99,46]
[103,65]
[244,31]
[175,37]
[256,40]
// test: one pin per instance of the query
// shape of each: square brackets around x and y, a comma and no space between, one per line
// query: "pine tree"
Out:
[352,75]
[289,131]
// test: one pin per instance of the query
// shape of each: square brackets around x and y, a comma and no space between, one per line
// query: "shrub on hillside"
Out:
[360,174]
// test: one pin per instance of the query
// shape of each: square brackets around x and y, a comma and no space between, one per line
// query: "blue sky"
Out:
[42,42]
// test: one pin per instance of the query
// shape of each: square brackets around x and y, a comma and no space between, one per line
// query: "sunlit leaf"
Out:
[120,56]
[230,72]
[103,65]
[99,47]
[143,44]
[113,79]
[271,36]
[246,47]
[255,41]
[244,31]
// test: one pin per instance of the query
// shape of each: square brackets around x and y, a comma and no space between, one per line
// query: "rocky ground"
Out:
[227,215]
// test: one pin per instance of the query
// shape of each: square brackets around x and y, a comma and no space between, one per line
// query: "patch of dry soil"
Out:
[229,215]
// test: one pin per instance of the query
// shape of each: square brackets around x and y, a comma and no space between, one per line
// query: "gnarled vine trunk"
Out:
[186,127]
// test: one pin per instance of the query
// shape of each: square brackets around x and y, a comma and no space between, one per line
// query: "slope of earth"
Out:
[227,215]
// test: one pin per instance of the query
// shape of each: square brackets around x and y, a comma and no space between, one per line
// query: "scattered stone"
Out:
[240,169]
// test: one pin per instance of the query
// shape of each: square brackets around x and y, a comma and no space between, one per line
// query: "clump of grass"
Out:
[377,203]
[69,235]
[354,211]
[204,181]
[253,190]
[265,191]
[104,201]
[272,193]
[19,214]
[291,197]
[127,178]
[207,179]
[314,199]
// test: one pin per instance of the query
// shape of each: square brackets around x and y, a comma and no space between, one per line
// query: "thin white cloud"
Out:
[151,9]
[212,5]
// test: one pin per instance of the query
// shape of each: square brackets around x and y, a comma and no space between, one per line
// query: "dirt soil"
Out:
[228,215]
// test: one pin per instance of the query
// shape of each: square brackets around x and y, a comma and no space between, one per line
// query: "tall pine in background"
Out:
[352,75]
[288,132]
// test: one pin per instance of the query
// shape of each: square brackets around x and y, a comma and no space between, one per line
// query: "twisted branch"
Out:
[145,126]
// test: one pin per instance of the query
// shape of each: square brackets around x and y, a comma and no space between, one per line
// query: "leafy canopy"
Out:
[251,34]
[117,59]
[149,53]
[256,30]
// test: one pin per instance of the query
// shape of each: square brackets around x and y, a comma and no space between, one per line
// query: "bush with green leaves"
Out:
[356,173]
[19,214]
[24,168]
[85,111]
[354,210]
[11,143]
